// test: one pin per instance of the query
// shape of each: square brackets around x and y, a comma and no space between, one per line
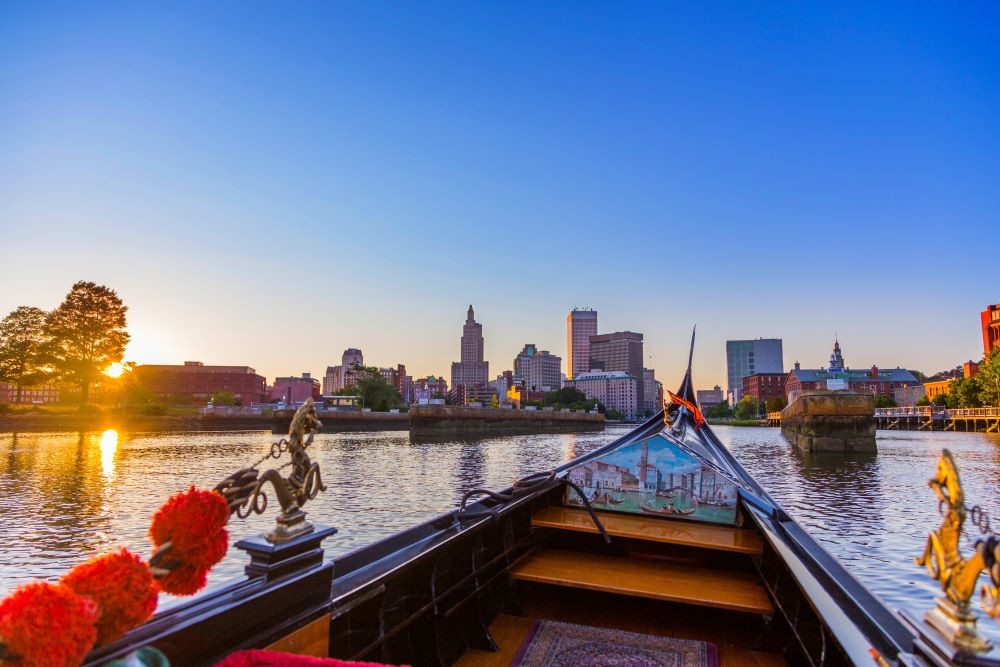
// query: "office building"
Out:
[430,387]
[472,370]
[652,393]
[708,398]
[762,386]
[293,390]
[619,351]
[616,390]
[537,369]
[581,324]
[746,357]
[399,381]
[344,375]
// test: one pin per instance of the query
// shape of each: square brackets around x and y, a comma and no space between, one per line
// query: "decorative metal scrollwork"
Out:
[244,490]
[953,615]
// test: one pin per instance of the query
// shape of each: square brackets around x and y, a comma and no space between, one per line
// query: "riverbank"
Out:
[447,420]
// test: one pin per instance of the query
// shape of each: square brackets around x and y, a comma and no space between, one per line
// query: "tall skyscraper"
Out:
[471,371]
[746,357]
[619,351]
[580,326]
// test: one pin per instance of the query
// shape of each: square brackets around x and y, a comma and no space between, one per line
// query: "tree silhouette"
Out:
[86,334]
[22,359]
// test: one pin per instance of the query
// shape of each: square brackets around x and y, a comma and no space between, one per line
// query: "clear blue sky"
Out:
[267,184]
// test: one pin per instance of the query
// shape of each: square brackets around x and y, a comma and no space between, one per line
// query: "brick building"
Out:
[291,390]
[198,381]
[429,387]
[46,393]
[762,386]
[990,319]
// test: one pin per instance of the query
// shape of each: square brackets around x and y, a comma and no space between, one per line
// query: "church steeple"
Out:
[836,359]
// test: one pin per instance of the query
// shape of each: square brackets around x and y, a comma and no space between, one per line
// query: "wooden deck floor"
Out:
[733,633]
[649,579]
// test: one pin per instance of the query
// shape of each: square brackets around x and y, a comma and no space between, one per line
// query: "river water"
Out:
[66,496]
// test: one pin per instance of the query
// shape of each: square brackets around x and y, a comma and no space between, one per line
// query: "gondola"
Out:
[485,583]
[668,510]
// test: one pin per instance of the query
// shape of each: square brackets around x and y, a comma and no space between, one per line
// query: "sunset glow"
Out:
[115,370]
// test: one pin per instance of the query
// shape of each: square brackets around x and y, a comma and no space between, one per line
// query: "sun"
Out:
[115,370]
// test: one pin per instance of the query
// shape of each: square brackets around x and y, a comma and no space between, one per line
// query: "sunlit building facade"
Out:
[581,324]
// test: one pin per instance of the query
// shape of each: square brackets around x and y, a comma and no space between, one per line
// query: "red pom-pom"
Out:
[47,624]
[194,524]
[121,586]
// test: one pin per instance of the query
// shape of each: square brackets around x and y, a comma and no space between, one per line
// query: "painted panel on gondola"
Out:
[674,484]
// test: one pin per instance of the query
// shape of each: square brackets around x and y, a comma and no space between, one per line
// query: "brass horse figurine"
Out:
[956,574]
[244,490]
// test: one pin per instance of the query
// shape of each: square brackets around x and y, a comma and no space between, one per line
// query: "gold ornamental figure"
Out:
[953,615]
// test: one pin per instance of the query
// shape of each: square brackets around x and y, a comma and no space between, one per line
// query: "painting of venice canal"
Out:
[655,477]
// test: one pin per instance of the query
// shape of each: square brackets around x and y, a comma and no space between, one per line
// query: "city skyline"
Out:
[795,171]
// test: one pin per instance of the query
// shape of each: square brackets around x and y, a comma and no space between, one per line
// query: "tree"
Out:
[495,401]
[375,392]
[719,411]
[22,343]
[86,334]
[747,408]
[222,398]
[568,397]
[882,401]
[923,400]
[940,399]
[614,415]
[775,404]
[988,378]
[964,393]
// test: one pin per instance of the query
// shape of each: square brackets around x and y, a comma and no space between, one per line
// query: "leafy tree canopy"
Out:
[775,404]
[222,398]
[86,334]
[884,402]
[22,348]
[375,392]
[569,397]
[719,411]
[748,408]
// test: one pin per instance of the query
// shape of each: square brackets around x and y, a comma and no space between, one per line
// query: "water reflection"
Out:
[109,446]
[65,496]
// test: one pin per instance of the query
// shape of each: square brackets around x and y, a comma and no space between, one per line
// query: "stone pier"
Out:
[830,421]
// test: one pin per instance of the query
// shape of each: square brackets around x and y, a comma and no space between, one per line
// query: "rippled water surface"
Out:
[66,496]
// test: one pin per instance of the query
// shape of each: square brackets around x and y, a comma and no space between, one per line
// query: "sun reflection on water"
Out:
[109,445]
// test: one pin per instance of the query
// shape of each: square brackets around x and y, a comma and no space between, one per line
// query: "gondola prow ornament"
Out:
[954,617]
[244,490]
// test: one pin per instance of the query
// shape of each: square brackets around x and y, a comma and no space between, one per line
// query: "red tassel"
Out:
[47,625]
[194,524]
[123,588]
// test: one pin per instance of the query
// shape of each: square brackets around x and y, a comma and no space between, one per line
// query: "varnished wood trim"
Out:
[652,529]
[312,640]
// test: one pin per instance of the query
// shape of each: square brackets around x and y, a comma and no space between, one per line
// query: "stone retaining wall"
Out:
[831,421]
[436,420]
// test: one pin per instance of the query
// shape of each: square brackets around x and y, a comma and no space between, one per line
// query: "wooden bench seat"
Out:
[656,580]
[653,529]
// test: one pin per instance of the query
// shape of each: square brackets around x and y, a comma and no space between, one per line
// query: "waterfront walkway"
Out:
[928,418]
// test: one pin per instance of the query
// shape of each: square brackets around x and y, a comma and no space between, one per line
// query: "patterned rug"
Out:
[554,644]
